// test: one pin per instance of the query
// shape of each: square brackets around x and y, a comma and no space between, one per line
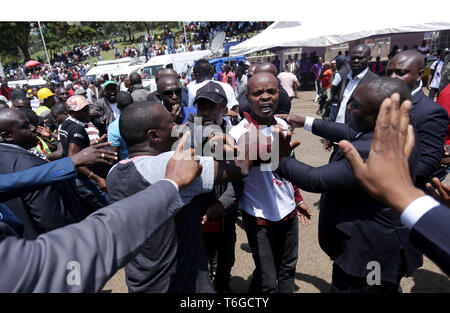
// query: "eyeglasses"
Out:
[169,93]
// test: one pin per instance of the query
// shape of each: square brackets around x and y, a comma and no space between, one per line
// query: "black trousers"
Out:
[275,253]
[345,283]
[220,249]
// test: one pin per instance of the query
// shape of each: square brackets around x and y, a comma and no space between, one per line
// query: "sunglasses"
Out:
[169,93]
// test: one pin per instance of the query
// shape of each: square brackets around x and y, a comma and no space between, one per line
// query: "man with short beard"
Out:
[268,203]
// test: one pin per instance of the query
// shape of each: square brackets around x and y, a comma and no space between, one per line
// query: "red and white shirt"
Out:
[266,195]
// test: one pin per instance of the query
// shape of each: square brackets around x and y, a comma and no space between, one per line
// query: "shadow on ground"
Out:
[430,282]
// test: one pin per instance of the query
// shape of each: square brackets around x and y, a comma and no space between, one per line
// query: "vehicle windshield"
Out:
[149,71]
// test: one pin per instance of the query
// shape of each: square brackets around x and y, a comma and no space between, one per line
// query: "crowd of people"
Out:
[96,177]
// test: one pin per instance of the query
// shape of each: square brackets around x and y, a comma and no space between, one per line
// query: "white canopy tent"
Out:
[317,33]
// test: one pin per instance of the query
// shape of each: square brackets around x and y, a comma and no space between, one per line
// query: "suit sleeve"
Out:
[82,257]
[332,131]
[431,234]
[334,176]
[432,139]
[18,183]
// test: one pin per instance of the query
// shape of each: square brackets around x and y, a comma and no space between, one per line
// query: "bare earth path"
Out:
[313,273]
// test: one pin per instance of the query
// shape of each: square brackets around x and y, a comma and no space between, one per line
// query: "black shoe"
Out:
[246,247]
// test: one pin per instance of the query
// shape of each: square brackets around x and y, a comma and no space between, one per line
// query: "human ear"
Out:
[153,136]
[5,136]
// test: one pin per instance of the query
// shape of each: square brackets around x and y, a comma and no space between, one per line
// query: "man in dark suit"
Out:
[42,210]
[355,229]
[360,73]
[385,176]
[83,256]
[431,119]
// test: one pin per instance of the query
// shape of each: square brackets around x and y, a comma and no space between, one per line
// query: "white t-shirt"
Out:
[265,194]
[437,73]
[115,110]
[192,92]
[89,94]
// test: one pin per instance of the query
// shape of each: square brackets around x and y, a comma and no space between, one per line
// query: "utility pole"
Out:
[43,41]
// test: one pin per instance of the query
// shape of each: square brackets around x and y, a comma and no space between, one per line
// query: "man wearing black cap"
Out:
[220,205]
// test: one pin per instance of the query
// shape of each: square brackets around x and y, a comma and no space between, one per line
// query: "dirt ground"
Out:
[313,273]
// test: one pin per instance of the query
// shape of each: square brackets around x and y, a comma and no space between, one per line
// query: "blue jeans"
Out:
[89,192]
[333,112]
[169,42]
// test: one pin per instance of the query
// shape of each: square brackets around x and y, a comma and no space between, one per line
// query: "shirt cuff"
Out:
[416,209]
[173,183]
[308,123]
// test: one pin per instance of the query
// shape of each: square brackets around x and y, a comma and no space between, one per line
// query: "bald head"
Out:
[8,117]
[364,107]
[365,49]
[135,79]
[167,80]
[407,66]
[262,95]
[267,67]
[165,72]
[16,129]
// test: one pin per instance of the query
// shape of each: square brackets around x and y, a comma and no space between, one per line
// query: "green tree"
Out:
[15,36]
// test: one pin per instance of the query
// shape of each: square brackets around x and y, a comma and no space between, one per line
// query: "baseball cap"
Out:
[108,82]
[211,91]
[76,103]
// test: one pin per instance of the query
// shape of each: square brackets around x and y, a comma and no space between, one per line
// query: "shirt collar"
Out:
[360,75]
[71,118]
[251,120]
[417,89]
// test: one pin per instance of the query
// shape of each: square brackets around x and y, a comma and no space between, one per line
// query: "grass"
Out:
[110,55]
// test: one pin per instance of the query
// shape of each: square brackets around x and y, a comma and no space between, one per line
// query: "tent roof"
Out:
[317,33]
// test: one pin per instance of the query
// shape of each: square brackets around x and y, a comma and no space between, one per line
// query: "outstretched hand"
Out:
[294,121]
[441,193]
[385,175]
[284,137]
[94,154]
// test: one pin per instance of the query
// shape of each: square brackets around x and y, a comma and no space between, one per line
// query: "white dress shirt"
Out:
[352,84]
[416,209]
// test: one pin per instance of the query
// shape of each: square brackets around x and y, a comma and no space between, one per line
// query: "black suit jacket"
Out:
[44,209]
[431,127]
[354,229]
[431,234]
[344,82]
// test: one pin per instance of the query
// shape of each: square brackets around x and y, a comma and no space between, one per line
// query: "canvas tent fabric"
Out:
[314,33]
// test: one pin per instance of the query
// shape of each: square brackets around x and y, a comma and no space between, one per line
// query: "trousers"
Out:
[275,253]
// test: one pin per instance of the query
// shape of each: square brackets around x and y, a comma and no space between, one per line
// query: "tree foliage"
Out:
[15,36]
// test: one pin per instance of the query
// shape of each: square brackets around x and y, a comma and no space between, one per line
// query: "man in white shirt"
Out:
[359,61]
[268,203]
[204,72]
[434,78]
